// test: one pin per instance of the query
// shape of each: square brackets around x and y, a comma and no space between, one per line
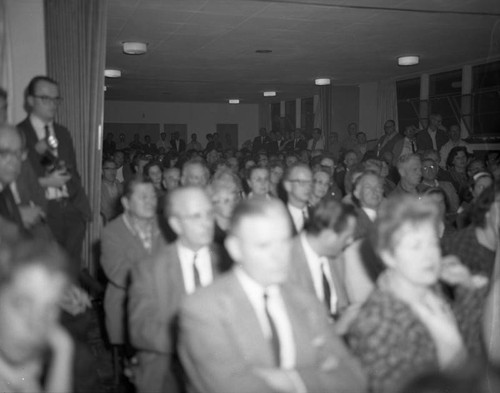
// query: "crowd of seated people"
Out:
[274,268]
[399,249]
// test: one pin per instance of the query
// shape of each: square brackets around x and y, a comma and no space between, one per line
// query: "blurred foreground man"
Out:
[251,332]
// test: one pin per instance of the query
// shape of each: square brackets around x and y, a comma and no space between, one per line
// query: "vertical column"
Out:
[424,101]
[298,112]
[466,103]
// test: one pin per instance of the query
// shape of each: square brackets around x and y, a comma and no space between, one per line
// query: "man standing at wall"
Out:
[52,155]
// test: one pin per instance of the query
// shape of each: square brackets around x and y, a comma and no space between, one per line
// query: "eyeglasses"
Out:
[49,100]
[109,169]
[301,182]
[197,216]
[8,153]
[429,167]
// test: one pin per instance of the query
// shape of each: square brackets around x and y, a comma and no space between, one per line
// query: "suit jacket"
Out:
[258,144]
[363,224]
[182,145]
[221,342]
[66,153]
[300,274]
[389,146]
[121,250]
[424,140]
[155,296]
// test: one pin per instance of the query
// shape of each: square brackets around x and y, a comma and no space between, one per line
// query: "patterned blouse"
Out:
[393,345]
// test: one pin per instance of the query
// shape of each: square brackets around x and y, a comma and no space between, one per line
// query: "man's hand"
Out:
[41,146]
[31,215]
[277,379]
[75,300]
[56,179]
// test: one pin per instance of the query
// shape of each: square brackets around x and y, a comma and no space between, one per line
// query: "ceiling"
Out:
[204,50]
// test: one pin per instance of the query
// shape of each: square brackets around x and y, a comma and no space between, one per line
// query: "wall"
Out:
[368,109]
[200,118]
[27,51]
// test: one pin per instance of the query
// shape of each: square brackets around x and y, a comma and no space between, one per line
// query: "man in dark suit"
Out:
[433,137]
[387,141]
[178,145]
[52,156]
[250,331]
[11,156]
[368,194]
[297,182]
[298,142]
[160,283]
[316,266]
[261,142]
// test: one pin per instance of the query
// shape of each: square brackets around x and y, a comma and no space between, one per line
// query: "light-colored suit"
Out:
[155,296]
[300,275]
[121,250]
[221,342]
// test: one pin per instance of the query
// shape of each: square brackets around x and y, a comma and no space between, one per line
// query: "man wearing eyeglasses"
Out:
[162,282]
[52,156]
[298,186]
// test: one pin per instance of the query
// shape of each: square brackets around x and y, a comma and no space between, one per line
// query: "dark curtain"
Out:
[76,49]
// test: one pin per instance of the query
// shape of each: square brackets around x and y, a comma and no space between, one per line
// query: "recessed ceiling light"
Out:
[112,73]
[263,51]
[408,60]
[234,101]
[269,94]
[134,48]
[322,81]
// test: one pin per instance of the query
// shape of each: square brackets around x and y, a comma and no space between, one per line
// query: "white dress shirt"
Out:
[318,265]
[277,309]
[203,265]
[371,213]
[297,216]
[432,134]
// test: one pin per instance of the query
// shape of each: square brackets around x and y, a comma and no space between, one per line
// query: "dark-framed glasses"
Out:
[49,100]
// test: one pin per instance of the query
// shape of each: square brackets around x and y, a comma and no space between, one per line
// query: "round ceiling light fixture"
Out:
[234,101]
[134,48]
[322,81]
[269,94]
[408,60]
[112,73]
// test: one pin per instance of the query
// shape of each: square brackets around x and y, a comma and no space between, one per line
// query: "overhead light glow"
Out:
[234,101]
[112,73]
[322,81]
[408,60]
[269,94]
[134,48]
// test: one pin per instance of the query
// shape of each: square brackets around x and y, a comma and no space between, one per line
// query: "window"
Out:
[408,95]
[486,99]
[275,117]
[445,94]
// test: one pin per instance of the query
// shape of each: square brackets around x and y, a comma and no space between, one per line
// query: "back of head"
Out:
[256,208]
[329,214]
[22,253]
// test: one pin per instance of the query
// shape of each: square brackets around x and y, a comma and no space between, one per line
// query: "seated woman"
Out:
[406,326]
[33,345]
[153,172]
[478,183]
[321,186]
[127,240]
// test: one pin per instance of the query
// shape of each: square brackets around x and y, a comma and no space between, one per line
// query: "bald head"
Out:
[190,214]
[11,153]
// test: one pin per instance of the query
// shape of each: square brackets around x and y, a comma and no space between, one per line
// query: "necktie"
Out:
[47,131]
[10,209]
[413,147]
[275,341]
[196,273]
[305,216]
[314,145]
[327,292]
